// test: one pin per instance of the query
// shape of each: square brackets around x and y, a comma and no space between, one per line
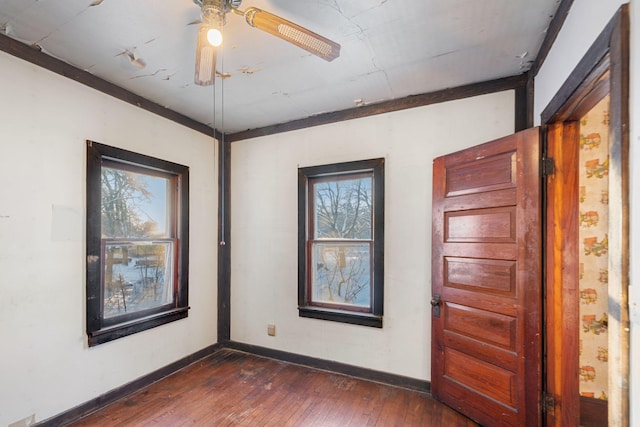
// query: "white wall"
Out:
[46,365]
[264,286]
[586,20]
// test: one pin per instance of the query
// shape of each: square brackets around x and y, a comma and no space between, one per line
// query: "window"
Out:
[341,242]
[137,242]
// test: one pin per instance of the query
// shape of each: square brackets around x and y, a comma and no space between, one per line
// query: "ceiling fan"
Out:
[213,17]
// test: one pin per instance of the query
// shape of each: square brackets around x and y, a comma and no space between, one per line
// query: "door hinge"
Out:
[548,403]
[547,166]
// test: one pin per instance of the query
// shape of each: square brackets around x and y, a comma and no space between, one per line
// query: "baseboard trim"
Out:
[111,396]
[337,367]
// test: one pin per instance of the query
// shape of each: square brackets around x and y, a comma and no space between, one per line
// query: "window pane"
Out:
[343,208]
[137,276]
[341,274]
[133,204]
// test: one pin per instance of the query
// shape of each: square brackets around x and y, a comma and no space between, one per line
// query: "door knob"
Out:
[435,303]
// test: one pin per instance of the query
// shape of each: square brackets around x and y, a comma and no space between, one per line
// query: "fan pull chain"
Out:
[222,146]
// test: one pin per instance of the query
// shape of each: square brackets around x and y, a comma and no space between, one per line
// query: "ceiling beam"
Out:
[41,59]
[413,101]
[552,33]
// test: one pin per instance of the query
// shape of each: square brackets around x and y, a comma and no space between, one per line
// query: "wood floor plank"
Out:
[232,388]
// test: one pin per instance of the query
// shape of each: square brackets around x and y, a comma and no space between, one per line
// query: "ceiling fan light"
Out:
[205,58]
[214,36]
[213,15]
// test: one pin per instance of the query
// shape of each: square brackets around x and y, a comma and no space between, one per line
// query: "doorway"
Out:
[586,238]
[470,371]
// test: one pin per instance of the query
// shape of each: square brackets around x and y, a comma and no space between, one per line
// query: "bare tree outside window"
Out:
[123,196]
[137,271]
[343,209]
[342,273]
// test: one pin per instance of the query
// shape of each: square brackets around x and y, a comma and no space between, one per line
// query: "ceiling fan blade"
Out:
[205,59]
[293,33]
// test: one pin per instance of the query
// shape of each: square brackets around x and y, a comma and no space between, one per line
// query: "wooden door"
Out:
[486,280]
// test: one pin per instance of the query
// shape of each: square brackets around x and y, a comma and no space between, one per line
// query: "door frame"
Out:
[604,69]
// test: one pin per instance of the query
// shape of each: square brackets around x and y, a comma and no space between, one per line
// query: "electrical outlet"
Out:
[271,330]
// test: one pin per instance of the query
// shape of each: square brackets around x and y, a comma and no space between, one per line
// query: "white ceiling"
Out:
[390,49]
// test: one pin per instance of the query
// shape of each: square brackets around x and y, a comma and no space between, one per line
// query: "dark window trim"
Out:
[99,331]
[373,318]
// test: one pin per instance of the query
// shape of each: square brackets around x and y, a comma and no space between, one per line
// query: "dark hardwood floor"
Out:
[232,388]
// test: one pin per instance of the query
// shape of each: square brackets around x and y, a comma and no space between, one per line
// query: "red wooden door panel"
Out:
[486,281]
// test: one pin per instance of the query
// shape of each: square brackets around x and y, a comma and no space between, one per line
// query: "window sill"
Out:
[120,330]
[354,318]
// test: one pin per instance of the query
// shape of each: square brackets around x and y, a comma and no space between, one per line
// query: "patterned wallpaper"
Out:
[594,223]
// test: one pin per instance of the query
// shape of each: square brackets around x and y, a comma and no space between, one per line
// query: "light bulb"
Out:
[214,36]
